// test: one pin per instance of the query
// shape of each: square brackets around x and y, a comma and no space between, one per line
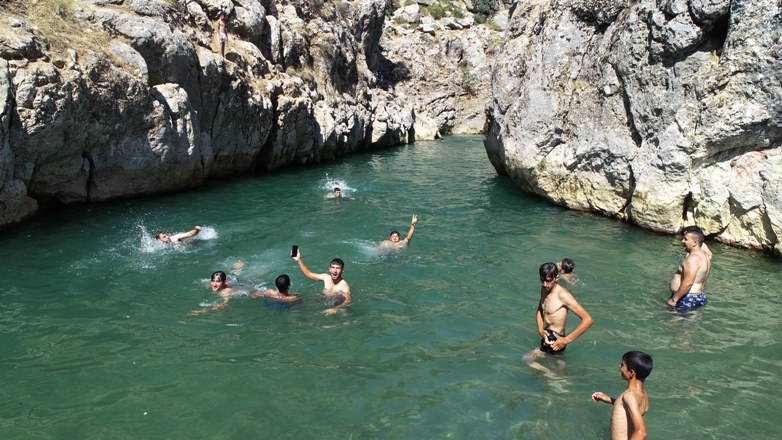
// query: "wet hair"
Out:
[696,232]
[336,188]
[337,262]
[639,362]
[158,234]
[283,283]
[567,265]
[220,275]
[395,232]
[548,270]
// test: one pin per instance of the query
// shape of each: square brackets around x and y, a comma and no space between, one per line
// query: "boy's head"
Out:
[566,266]
[548,275]
[283,283]
[638,362]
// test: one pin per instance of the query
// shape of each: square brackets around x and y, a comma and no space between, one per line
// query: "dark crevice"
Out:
[686,207]
[634,134]
[90,172]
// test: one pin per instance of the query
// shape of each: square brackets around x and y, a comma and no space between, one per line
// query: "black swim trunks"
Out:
[552,335]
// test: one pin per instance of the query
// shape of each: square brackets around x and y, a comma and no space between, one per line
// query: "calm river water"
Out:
[97,341]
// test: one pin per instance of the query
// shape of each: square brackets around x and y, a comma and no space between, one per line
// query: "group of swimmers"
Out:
[336,290]
[688,291]
[687,287]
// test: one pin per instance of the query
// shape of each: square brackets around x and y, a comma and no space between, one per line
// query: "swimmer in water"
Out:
[337,194]
[333,283]
[688,284]
[565,267]
[219,284]
[394,241]
[177,238]
[283,283]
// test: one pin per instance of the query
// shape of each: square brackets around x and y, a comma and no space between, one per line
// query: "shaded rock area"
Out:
[661,113]
[105,99]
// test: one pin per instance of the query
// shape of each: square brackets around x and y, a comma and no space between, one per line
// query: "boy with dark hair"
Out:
[334,286]
[566,267]
[283,283]
[627,418]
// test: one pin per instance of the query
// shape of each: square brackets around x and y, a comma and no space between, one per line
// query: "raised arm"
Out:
[412,229]
[188,234]
[306,270]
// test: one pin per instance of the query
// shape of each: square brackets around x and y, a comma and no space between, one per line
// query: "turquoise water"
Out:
[97,341]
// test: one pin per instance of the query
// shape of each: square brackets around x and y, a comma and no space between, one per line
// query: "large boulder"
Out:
[664,114]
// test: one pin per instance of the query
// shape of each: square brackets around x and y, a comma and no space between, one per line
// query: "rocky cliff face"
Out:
[102,99]
[662,113]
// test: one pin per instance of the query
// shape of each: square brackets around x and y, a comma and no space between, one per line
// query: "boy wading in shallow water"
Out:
[551,317]
[627,418]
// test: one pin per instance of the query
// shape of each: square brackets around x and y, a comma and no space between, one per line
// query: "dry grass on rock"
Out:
[62,23]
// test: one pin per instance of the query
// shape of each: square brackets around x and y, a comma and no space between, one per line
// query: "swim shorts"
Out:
[692,301]
[274,304]
[552,335]
[222,37]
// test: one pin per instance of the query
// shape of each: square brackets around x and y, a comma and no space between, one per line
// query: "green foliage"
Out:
[468,81]
[542,164]
[391,6]
[485,7]
[479,18]
[437,10]
[491,24]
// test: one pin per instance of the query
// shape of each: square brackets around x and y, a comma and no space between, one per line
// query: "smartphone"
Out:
[294,250]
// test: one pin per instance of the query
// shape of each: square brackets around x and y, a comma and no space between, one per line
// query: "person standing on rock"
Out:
[394,241]
[177,238]
[222,36]
[688,284]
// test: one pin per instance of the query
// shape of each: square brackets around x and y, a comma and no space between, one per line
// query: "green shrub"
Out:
[468,81]
[391,6]
[437,10]
[485,7]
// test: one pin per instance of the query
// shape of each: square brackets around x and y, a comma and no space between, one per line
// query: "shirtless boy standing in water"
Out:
[551,315]
[627,418]
[334,286]
[688,285]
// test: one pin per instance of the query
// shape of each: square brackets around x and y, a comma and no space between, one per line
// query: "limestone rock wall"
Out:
[116,98]
[661,113]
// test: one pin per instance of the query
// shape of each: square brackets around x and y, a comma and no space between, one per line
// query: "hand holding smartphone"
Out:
[294,251]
